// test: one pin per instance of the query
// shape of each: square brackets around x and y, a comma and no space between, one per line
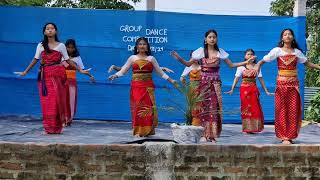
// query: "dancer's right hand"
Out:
[174,54]
[182,80]
[250,60]
[229,92]
[112,77]
[20,73]
[111,68]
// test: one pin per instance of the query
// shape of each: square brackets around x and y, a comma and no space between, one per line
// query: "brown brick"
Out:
[133,177]
[111,158]
[269,159]
[92,149]
[308,171]
[209,148]
[314,160]
[221,178]
[245,159]
[116,168]
[246,178]
[109,177]
[208,169]
[5,156]
[195,160]
[282,171]
[60,176]
[37,166]
[137,169]
[234,170]
[91,168]
[234,148]
[28,175]
[64,168]
[11,166]
[197,178]
[79,158]
[185,149]
[83,177]
[6,175]
[271,178]
[179,178]
[309,149]
[259,148]
[220,159]
[127,148]
[296,178]
[294,159]
[287,148]
[258,171]
[183,169]
[134,159]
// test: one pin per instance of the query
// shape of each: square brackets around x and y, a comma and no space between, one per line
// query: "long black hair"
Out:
[75,53]
[250,50]
[205,45]
[45,41]
[135,51]
[294,43]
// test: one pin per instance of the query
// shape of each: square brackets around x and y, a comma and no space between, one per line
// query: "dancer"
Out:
[287,95]
[52,80]
[194,73]
[209,60]
[142,96]
[251,110]
[71,71]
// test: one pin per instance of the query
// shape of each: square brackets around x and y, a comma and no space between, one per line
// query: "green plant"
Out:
[313,111]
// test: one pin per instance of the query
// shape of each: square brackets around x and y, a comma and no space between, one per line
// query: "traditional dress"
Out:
[73,90]
[194,73]
[210,83]
[251,111]
[142,98]
[287,95]
[53,88]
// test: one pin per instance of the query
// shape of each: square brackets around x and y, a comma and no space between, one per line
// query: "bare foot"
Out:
[287,142]
[203,139]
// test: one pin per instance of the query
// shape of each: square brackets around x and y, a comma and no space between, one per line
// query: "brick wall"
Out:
[158,161]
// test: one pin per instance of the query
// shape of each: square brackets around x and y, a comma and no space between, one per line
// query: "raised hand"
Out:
[165,69]
[112,77]
[20,73]
[229,92]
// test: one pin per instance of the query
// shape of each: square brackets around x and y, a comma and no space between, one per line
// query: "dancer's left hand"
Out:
[165,69]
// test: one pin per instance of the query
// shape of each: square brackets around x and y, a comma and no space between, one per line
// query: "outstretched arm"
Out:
[312,65]
[235,81]
[114,67]
[264,86]
[175,55]
[233,65]
[30,66]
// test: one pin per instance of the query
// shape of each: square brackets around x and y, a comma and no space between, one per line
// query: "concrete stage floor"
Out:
[15,129]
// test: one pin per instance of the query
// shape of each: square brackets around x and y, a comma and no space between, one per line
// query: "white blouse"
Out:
[78,61]
[277,51]
[241,69]
[199,54]
[60,47]
[187,70]
[133,58]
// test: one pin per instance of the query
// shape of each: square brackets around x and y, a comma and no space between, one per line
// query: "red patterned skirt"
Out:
[287,110]
[251,111]
[143,107]
[55,105]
